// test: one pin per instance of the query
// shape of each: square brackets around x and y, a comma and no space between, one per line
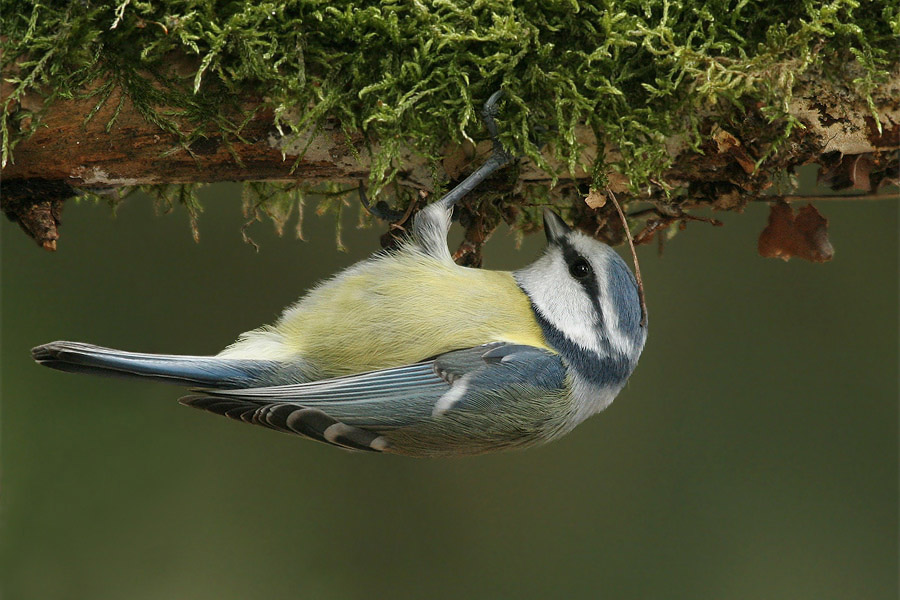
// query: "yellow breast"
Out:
[403,308]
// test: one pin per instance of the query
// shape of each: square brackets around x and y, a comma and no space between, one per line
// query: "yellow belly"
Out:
[404,308]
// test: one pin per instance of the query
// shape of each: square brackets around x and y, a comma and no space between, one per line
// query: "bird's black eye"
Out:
[580,269]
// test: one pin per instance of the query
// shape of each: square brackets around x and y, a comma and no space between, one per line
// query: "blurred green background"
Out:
[753,455]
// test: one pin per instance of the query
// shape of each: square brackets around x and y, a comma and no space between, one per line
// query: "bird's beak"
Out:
[554,227]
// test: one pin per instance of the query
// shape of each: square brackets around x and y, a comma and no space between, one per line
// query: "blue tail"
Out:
[203,371]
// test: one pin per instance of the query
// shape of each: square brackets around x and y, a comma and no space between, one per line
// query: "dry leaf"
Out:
[804,235]
[726,143]
[855,171]
[814,229]
[730,200]
[859,172]
[595,199]
[617,182]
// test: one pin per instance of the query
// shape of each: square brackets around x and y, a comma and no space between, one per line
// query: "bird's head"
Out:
[586,301]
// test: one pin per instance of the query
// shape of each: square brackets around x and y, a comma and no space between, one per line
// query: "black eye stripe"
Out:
[589,282]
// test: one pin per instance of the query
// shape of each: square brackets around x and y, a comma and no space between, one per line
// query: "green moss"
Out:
[413,74]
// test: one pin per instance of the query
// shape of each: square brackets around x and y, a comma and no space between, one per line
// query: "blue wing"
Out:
[360,411]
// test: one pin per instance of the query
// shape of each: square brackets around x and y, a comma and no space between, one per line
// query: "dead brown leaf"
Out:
[804,235]
[618,183]
[859,172]
[730,200]
[726,143]
[864,172]
[595,199]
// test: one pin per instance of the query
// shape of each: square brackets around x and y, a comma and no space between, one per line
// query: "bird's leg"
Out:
[498,159]
[432,224]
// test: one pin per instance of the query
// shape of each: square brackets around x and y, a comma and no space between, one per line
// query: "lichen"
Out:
[410,74]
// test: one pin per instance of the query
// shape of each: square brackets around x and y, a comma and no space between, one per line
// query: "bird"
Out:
[408,353]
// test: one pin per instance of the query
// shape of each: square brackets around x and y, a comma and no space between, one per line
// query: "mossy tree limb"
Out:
[67,156]
[134,151]
[701,103]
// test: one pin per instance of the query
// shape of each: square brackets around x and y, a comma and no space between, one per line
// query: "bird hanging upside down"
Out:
[407,352]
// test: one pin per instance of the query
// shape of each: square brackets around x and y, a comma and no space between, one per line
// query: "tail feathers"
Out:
[210,371]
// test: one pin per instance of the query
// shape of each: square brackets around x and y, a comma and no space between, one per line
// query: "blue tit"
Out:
[408,353]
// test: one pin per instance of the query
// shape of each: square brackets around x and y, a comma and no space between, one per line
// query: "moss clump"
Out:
[413,74]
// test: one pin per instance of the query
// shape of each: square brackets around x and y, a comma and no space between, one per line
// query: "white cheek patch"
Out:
[565,304]
[561,300]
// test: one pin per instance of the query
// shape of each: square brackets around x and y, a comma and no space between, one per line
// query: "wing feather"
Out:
[359,411]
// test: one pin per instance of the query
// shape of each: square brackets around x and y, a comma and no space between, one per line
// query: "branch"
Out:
[65,157]
[668,105]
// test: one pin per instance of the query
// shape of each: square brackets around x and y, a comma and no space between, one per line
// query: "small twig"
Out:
[665,216]
[637,265]
[644,212]
[650,229]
